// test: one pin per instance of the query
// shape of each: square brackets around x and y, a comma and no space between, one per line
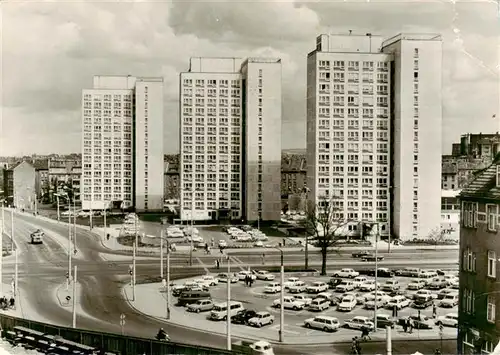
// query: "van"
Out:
[189,297]
[219,312]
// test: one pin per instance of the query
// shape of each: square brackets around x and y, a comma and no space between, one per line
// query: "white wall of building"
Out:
[149,174]
[24,178]
[417,145]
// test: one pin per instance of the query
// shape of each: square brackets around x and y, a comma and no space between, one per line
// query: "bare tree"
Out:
[324,224]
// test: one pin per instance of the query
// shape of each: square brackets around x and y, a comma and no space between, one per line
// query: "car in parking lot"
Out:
[204,284]
[360,254]
[325,323]
[319,304]
[368,285]
[222,244]
[345,286]
[449,278]
[289,302]
[399,302]
[201,306]
[261,319]
[349,273]
[304,299]
[359,322]
[358,280]
[243,274]
[454,284]
[421,322]
[243,316]
[416,285]
[272,287]
[264,275]
[347,303]
[223,278]
[449,320]
[384,320]
[300,286]
[442,294]
[381,272]
[391,286]
[291,281]
[408,272]
[209,279]
[317,287]
[437,284]
[370,304]
[422,303]
[333,282]
[424,294]
[427,274]
[449,301]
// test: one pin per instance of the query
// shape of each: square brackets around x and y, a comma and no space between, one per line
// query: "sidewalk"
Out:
[151,301]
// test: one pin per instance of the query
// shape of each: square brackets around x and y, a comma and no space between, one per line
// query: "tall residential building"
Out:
[122,119]
[230,139]
[374,130]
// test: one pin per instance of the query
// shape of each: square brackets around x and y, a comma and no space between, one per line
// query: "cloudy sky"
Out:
[51,50]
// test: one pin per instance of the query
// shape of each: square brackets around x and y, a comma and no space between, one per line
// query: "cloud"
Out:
[51,50]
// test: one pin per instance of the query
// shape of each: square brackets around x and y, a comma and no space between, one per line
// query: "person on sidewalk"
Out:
[434,310]
[405,325]
[394,311]
[411,326]
[12,302]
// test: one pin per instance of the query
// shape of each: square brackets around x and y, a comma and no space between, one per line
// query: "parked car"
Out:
[272,287]
[264,275]
[347,304]
[261,348]
[304,299]
[449,278]
[381,302]
[422,303]
[317,287]
[381,272]
[421,322]
[219,312]
[449,301]
[416,285]
[225,277]
[289,302]
[368,285]
[408,272]
[300,286]
[427,274]
[319,304]
[333,282]
[359,322]
[454,284]
[437,284]
[358,280]
[360,254]
[261,319]
[349,273]
[242,317]
[325,323]
[345,286]
[391,286]
[291,281]
[328,296]
[449,320]
[243,274]
[384,320]
[399,302]
[201,306]
[210,280]
[444,292]
[424,294]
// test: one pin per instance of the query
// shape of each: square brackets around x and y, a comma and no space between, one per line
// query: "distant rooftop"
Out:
[412,37]
[484,184]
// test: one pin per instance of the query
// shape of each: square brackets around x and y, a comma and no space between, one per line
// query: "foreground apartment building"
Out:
[374,130]
[478,332]
[230,139]
[122,145]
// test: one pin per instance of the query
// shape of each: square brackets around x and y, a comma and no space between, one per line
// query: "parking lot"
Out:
[254,298]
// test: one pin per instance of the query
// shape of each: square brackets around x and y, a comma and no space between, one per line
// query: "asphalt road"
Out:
[102,295]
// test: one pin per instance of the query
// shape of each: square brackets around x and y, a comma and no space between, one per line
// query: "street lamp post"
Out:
[376,277]
[192,231]
[74,297]
[58,214]
[228,306]
[167,281]
[306,248]
[282,298]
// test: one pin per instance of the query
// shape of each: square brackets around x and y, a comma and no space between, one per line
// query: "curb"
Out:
[62,303]
[272,341]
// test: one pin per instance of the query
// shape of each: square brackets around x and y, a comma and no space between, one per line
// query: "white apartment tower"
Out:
[122,118]
[359,156]
[230,139]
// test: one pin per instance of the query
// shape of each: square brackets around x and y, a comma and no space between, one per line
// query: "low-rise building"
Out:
[450,213]
[171,180]
[293,174]
[64,172]
[457,172]
[478,316]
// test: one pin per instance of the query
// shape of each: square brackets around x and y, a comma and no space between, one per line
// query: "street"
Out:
[43,267]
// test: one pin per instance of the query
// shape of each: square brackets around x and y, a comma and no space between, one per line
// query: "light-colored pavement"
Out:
[150,300]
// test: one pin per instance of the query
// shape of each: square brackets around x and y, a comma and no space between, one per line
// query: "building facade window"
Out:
[491,309]
[469,214]
[468,301]
[491,213]
[492,264]
[468,260]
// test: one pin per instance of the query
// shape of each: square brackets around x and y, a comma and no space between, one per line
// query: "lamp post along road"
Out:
[133,270]
[74,297]
[228,310]
[306,249]
[58,210]
[70,252]
[192,232]
[388,340]
[376,277]
[16,273]
[168,280]
[282,299]
[161,254]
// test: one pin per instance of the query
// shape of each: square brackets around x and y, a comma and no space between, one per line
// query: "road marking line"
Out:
[203,265]
[237,261]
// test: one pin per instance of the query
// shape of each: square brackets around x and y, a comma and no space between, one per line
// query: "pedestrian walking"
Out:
[395,311]
[411,325]
[12,302]
[434,310]
[263,259]
[405,325]
[217,262]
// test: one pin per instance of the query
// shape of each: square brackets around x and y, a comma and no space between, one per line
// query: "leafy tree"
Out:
[324,223]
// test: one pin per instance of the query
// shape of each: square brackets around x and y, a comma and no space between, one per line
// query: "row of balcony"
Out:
[351,68]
